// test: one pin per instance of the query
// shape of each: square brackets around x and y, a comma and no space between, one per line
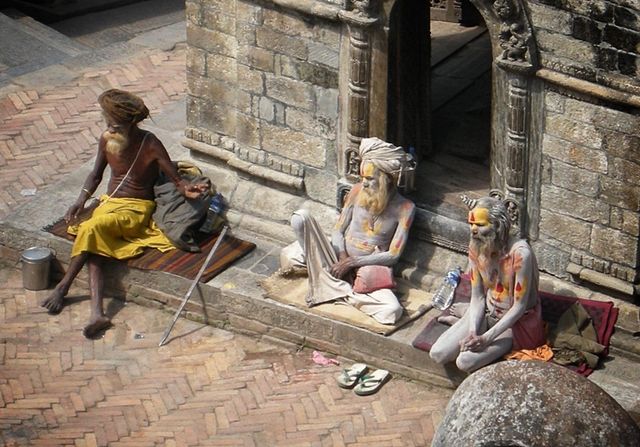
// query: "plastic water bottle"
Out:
[216,207]
[445,294]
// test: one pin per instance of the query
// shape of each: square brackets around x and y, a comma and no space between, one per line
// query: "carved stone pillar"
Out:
[358,93]
[516,146]
[517,59]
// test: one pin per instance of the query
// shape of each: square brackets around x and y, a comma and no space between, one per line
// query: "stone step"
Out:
[42,32]
[29,46]
[51,10]
[459,70]
[448,38]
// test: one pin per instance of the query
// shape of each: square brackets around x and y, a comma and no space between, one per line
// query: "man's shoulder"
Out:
[520,245]
[402,202]
[150,137]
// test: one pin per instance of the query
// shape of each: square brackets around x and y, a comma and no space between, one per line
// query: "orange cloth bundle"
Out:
[543,353]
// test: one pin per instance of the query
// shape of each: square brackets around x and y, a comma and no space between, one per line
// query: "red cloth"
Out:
[528,331]
[373,277]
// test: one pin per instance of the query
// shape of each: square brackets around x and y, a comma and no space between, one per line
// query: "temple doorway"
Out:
[455,156]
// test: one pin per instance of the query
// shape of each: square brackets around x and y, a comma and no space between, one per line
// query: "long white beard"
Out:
[115,143]
[484,246]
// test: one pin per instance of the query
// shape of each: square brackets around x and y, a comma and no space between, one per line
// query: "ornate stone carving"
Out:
[514,36]
[358,22]
[363,8]
[343,190]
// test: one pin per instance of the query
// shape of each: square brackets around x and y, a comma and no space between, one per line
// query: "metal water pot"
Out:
[36,265]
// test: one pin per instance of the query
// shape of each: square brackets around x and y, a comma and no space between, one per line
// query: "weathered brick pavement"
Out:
[205,387]
[46,132]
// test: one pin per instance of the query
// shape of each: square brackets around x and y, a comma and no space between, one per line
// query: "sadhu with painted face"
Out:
[504,313]
[372,230]
[121,226]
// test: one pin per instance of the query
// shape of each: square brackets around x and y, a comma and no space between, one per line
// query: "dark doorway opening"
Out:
[456,159]
[408,76]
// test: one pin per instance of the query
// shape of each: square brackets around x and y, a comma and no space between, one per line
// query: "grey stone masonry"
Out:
[265,76]
[594,40]
[590,193]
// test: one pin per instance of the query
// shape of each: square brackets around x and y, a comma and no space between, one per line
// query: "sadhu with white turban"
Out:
[355,264]
[390,159]
[121,226]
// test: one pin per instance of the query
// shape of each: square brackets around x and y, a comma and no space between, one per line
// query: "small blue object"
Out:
[217,203]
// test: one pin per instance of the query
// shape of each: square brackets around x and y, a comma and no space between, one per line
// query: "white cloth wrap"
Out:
[318,257]
[384,156]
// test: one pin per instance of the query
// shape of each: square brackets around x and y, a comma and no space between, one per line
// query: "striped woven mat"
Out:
[181,262]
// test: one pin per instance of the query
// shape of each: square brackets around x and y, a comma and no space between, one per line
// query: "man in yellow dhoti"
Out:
[121,226]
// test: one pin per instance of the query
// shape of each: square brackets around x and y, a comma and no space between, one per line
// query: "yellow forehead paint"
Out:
[479,216]
[368,169]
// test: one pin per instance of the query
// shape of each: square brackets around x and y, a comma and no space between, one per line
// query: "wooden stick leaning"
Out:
[193,284]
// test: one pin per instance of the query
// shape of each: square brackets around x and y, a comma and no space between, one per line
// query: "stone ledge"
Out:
[310,7]
[254,170]
[629,97]
[602,279]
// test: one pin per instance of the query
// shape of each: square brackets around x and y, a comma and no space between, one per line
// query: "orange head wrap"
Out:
[123,107]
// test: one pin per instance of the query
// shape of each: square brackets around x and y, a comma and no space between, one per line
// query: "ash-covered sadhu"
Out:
[372,230]
[121,226]
[504,313]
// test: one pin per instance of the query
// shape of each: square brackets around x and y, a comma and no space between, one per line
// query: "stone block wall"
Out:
[590,188]
[595,40]
[590,163]
[263,92]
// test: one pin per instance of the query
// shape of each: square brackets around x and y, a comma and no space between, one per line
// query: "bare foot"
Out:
[54,302]
[96,326]
[458,309]
[448,319]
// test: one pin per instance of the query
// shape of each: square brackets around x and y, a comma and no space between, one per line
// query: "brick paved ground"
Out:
[47,132]
[206,387]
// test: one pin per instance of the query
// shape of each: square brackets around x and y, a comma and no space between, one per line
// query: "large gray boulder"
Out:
[531,403]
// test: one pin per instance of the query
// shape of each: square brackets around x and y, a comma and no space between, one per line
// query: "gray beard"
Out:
[375,202]
[484,246]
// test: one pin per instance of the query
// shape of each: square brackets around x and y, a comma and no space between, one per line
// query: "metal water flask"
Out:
[443,297]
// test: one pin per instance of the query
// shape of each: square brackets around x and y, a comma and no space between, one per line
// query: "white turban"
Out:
[384,156]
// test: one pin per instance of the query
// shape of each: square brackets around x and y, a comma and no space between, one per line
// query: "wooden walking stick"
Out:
[193,284]
[423,309]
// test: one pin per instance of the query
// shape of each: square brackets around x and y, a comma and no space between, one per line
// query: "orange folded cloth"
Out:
[543,353]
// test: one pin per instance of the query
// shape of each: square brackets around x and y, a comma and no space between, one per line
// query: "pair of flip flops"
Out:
[363,384]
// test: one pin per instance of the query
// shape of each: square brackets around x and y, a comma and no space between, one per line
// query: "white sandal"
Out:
[371,383]
[350,376]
